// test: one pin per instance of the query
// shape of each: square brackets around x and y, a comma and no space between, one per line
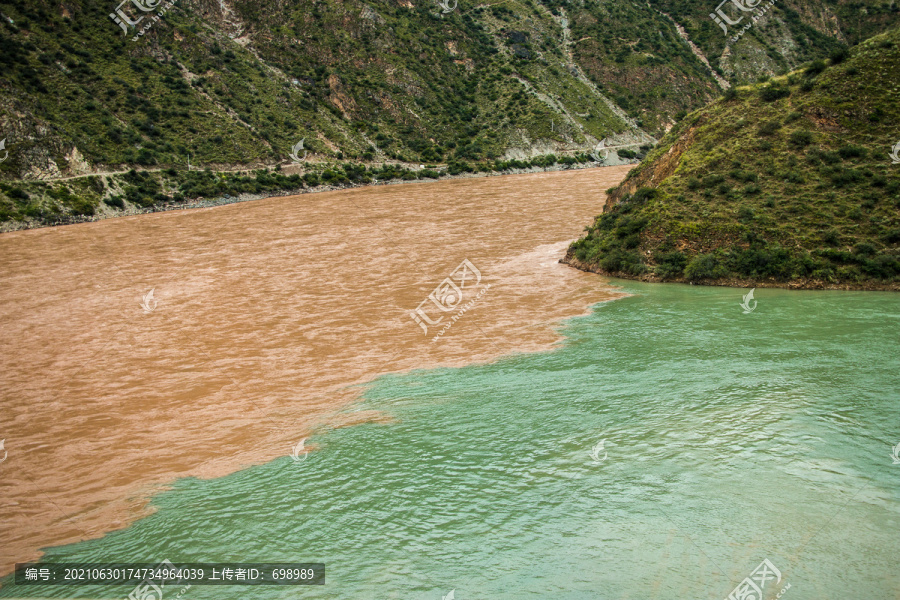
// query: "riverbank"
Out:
[735,282]
[131,209]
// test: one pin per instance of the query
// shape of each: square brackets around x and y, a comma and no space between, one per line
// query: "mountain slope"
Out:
[789,182]
[240,82]
[786,34]
[230,85]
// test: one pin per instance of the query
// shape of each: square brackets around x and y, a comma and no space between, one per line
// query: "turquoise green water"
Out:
[729,438]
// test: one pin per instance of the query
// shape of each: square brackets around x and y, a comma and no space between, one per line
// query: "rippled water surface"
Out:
[729,438]
[263,316]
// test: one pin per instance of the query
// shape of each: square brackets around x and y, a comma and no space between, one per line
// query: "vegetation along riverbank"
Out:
[792,182]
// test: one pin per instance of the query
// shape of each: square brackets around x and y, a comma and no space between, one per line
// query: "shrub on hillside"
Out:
[82,206]
[704,266]
[771,93]
[632,241]
[713,180]
[839,55]
[852,151]
[815,68]
[841,177]
[643,195]
[769,127]
[620,260]
[864,249]
[800,139]
[670,264]
[455,168]
[18,194]
[883,266]
[115,202]
[630,226]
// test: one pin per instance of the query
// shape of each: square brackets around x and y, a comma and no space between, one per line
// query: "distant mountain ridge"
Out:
[104,86]
[238,82]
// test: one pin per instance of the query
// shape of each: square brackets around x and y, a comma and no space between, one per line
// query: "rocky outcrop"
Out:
[651,174]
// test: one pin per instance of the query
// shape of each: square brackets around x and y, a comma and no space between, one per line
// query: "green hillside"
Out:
[789,182]
[788,33]
[368,81]
[234,85]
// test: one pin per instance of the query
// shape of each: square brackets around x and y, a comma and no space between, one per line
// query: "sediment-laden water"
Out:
[261,317]
[728,439]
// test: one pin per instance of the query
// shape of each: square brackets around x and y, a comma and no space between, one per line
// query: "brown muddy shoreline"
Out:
[735,282]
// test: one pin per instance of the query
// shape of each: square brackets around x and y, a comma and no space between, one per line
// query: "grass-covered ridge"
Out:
[786,182]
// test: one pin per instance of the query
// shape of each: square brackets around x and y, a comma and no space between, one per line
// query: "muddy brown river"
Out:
[262,316]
